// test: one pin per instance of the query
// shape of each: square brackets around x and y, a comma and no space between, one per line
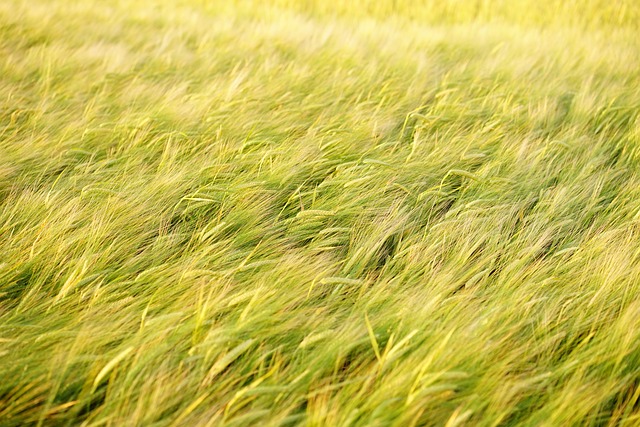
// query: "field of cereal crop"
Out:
[347,213]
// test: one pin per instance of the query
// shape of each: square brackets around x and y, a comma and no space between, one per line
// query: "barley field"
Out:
[320,213]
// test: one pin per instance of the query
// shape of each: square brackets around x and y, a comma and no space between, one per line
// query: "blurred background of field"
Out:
[320,213]
[592,13]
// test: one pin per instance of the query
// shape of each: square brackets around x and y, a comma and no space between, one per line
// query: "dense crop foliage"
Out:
[320,213]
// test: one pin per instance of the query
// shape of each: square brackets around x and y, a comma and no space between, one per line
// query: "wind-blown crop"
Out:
[319,213]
